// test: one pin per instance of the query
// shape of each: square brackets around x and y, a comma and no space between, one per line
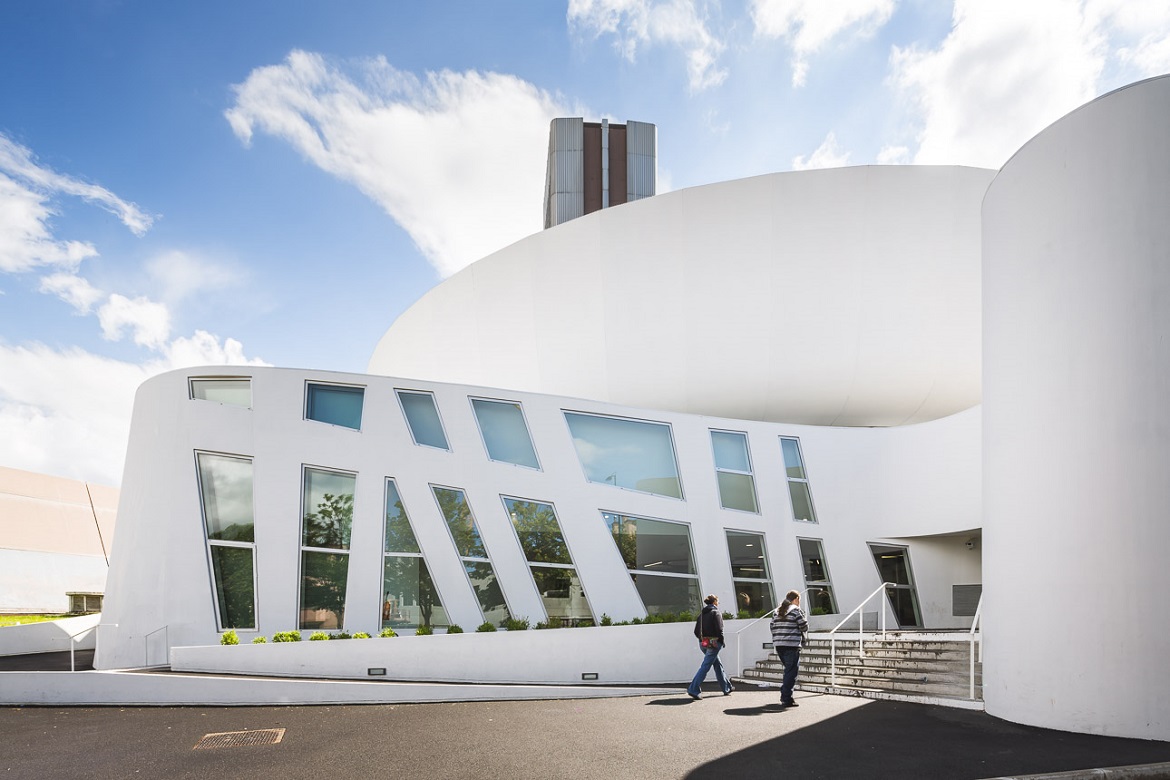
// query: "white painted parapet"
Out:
[1076,317]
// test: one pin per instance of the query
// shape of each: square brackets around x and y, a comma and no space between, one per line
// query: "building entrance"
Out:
[893,565]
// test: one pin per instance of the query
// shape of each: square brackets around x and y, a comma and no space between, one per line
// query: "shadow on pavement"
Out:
[884,739]
[47,662]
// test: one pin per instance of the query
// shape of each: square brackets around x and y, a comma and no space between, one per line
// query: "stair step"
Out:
[955,689]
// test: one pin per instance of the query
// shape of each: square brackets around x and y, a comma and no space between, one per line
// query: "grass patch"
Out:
[24,620]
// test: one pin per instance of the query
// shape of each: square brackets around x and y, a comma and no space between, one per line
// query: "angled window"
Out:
[802,505]
[552,568]
[334,404]
[658,554]
[326,524]
[733,470]
[749,573]
[422,416]
[473,554]
[633,454]
[820,600]
[225,488]
[230,390]
[505,434]
[409,596]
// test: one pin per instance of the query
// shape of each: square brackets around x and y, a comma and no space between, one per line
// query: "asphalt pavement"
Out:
[745,735]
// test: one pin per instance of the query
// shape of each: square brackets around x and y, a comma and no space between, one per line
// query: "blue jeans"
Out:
[790,657]
[710,658]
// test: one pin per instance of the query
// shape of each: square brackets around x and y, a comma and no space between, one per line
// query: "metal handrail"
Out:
[146,644]
[860,632]
[766,616]
[975,626]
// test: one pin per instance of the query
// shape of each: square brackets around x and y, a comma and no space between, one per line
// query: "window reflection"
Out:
[422,417]
[326,524]
[225,487]
[658,554]
[465,534]
[749,573]
[505,434]
[409,596]
[802,505]
[633,454]
[334,404]
[820,599]
[733,471]
[544,546]
[232,391]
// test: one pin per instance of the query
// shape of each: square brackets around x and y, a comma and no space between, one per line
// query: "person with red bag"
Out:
[709,632]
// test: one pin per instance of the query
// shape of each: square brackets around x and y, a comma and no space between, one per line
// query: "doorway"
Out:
[893,565]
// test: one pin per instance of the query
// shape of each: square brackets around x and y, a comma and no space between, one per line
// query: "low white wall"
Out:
[618,655]
[49,636]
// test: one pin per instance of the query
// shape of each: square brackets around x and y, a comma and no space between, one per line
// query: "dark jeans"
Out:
[790,657]
[710,658]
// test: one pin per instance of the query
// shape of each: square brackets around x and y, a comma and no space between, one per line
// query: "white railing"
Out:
[767,616]
[974,628]
[860,631]
[73,643]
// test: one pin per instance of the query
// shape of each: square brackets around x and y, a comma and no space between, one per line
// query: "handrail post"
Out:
[974,626]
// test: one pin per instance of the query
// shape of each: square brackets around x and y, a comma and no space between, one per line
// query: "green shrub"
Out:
[424,631]
[636,622]
[544,624]
[622,623]
[728,616]
[686,617]
[229,637]
[318,636]
[454,628]
[485,627]
[386,633]
[286,636]
[515,624]
[361,635]
[818,611]
[585,624]
[342,635]
[606,620]
[742,615]
[260,640]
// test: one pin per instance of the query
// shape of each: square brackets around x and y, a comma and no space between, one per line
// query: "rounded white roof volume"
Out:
[847,296]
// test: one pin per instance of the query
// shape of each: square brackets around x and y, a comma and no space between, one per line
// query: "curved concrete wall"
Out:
[867,484]
[845,296]
[1076,315]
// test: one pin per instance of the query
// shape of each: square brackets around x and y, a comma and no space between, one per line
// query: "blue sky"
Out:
[189,183]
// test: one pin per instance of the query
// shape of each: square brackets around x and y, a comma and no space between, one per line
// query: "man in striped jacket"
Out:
[789,626]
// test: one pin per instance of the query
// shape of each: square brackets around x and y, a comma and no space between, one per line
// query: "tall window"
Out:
[422,416]
[230,390]
[334,404]
[733,469]
[820,600]
[552,567]
[327,521]
[225,484]
[625,453]
[469,545]
[749,574]
[658,555]
[505,434]
[802,505]
[409,596]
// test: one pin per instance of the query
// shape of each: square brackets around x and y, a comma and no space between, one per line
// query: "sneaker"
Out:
[728,691]
[789,703]
[694,696]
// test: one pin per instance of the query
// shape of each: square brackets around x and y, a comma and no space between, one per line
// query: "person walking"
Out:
[789,629]
[709,632]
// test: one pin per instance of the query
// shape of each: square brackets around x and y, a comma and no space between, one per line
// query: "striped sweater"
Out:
[788,631]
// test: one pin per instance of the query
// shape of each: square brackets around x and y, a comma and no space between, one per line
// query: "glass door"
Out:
[893,565]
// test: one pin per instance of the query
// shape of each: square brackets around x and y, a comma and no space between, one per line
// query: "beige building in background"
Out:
[55,536]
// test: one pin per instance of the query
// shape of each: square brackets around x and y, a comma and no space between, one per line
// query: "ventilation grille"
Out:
[240,739]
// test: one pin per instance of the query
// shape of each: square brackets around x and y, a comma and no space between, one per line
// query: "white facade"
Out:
[758,312]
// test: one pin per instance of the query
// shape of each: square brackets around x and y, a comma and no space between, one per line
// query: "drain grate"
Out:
[240,739]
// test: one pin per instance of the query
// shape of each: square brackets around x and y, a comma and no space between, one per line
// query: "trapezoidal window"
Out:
[816,577]
[409,596]
[334,404]
[225,489]
[326,524]
[472,553]
[553,572]
[733,470]
[749,574]
[422,417]
[659,556]
[634,454]
[802,504]
[505,434]
[229,390]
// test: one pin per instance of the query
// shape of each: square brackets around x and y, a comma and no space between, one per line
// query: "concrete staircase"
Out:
[923,667]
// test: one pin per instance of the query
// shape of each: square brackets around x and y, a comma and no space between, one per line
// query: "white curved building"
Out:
[822,380]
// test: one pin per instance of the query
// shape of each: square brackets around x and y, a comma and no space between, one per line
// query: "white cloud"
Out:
[827,155]
[25,239]
[67,412]
[179,275]
[633,23]
[72,289]
[893,155]
[17,161]
[808,25]
[456,159]
[148,320]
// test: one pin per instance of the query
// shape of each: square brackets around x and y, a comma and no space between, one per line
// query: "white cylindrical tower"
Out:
[1076,392]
